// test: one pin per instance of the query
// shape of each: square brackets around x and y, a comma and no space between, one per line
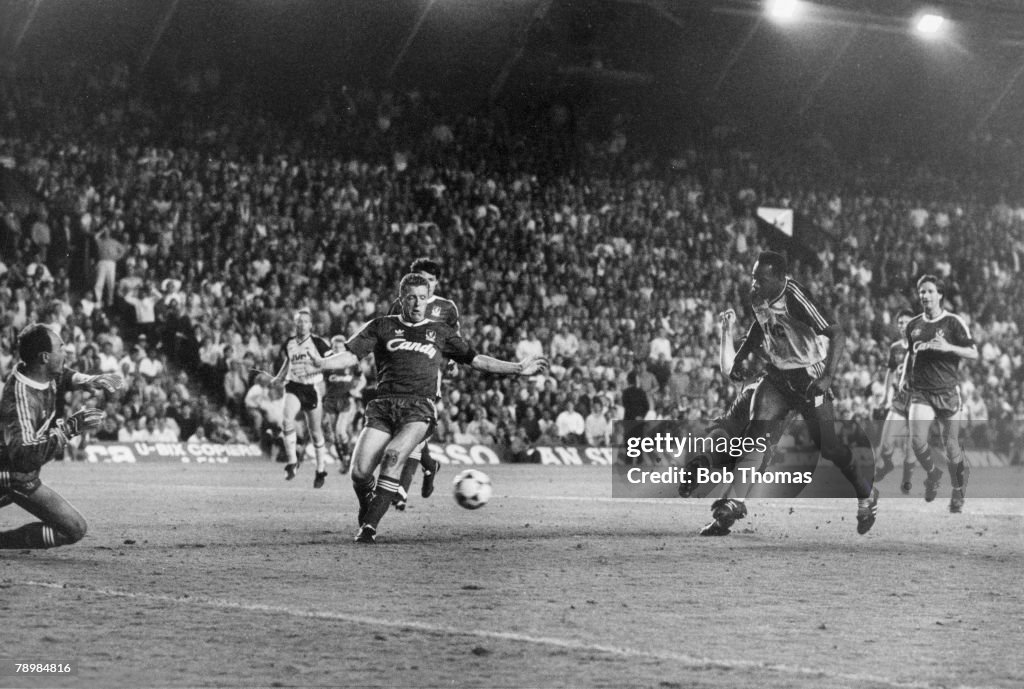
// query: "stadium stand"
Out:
[230,215]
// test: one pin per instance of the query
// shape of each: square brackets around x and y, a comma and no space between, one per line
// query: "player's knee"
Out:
[74,530]
[288,427]
[360,472]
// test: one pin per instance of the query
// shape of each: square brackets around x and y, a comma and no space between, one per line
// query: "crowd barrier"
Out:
[186,453]
[452,453]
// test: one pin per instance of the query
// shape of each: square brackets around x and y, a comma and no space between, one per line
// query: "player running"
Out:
[439,310]
[803,349]
[303,392]
[340,406]
[895,430]
[410,353]
[727,509]
[32,436]
[937,340]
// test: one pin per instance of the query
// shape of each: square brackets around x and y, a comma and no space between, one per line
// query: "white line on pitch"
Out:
[568,644]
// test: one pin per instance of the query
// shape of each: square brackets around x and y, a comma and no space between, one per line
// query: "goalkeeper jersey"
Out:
[28,410]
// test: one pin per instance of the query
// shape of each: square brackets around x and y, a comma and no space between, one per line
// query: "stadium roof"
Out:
[854,61]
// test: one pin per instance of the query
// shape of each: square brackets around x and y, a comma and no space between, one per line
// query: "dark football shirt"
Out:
[410,357]
[931,370]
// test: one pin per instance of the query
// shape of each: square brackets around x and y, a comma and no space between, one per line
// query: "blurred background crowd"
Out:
[171,234]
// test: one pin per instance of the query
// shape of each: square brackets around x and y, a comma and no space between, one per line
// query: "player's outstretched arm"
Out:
[529,366]
[111,382]
[338,360]
[278,378]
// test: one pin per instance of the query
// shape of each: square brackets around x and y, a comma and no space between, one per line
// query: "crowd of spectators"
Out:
[172,236]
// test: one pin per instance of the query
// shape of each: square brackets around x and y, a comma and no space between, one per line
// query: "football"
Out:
[472,489]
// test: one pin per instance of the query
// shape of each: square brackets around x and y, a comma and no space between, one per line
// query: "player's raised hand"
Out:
[532,365]
[726,318]
[110,382]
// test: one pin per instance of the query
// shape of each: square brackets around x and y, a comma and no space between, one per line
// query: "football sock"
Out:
[908,470]
[426,461]
[321,455]
[408,472]
[958,473]
[387,488]
[289,438]
[363,487]
[35,536]
[861,486]
[364,493]
[850,469]
[925,460]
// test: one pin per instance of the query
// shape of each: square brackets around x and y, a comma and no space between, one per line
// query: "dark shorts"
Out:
[901,402]
[792,383]
[308,396]
[945,402]
[737,416]
[18,483]
[336,405]
[390,414]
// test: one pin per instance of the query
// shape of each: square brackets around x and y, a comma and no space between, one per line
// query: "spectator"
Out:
[528,345]
[41,236]
[635,403]
[108,252]
[569,425]
[530,424]
[598,427]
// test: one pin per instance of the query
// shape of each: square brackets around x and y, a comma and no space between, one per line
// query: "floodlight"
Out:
[783,10]
[930,24]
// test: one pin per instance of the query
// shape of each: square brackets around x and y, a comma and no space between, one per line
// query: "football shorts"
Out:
[390,414]
[308,395]
[945,402]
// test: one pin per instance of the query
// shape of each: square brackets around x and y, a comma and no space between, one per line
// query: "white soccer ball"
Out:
[472,489]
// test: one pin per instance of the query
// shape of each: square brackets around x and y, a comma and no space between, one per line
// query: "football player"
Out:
[895,431]
[410,352]
[936,343]
[32,436]
[340,406]
[802,348]
[303,392]
[439,310]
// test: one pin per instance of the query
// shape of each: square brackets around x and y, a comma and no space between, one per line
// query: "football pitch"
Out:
[226,575]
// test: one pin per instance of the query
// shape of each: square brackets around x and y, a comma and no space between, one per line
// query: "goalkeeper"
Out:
[32,436]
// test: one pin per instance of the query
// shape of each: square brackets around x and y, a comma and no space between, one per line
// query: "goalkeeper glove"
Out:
[80,422]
